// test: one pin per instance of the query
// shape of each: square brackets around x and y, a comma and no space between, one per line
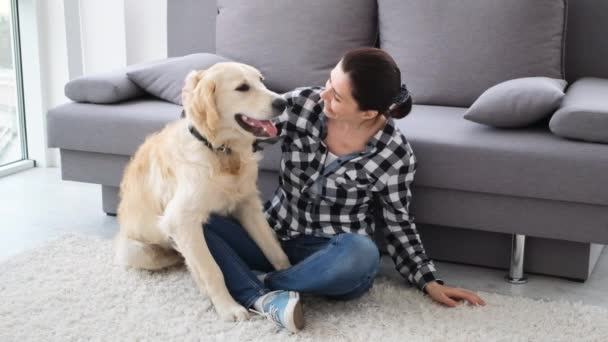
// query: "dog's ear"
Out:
[208,103]
[189,85]
[198,99]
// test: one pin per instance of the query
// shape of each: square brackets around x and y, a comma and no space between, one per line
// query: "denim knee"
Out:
[216,221]
[359,260]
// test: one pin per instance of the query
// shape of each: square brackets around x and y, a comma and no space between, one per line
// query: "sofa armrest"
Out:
[107,87]
[583,113]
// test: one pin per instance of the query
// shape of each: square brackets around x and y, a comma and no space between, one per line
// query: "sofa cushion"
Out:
[517,103]
[165,79]
[584,112]
[452,153]
[293,43]
[116,129]
[532,162]
[449,52]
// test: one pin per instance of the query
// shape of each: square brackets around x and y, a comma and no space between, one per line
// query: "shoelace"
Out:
[273,314]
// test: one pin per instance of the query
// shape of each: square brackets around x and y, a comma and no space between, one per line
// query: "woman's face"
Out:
[339,103]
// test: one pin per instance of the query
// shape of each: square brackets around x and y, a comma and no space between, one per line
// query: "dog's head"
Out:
[228,101]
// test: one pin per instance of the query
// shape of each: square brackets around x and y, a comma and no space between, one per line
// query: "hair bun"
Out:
[401,109]
[402,96]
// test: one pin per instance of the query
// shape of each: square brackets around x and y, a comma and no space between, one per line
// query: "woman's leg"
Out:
[343,267]
[233,234]
[236,254]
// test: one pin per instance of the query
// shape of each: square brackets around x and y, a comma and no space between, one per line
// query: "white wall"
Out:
[116,33]
[53,47]
[146,30]
[103,35]
[53,68]
[44,67]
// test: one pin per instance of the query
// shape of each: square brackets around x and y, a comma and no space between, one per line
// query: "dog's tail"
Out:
[129,252]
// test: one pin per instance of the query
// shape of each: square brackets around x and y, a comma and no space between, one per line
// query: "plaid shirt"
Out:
[350,193]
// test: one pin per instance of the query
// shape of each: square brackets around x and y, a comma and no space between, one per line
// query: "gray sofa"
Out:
[476,187]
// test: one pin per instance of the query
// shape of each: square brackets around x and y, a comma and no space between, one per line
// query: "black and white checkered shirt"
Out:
[325,200]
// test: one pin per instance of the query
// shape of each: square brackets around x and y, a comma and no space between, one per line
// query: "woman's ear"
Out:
[370,114]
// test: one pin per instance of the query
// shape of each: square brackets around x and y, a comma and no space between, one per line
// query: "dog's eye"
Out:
[243,87]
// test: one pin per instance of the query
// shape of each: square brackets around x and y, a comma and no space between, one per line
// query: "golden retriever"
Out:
[175,181]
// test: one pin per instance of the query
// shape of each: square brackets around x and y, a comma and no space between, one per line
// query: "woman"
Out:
[345,172]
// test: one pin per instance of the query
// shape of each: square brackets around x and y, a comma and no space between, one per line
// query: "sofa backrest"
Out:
[191,28]
[587,39]
[450,52]
[275,36]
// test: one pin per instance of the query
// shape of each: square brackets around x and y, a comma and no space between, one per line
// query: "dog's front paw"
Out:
[232,312]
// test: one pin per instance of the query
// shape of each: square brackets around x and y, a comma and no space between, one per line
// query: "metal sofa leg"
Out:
[516,269]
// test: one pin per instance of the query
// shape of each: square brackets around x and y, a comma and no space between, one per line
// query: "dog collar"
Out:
[201,138]
[223,149]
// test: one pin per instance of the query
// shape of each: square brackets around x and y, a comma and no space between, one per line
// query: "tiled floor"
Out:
[36,205]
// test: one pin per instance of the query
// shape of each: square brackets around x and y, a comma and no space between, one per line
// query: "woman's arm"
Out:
[404,243]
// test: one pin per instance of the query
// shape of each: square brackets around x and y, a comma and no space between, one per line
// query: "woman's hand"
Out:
[446,295]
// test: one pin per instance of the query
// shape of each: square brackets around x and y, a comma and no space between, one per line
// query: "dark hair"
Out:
[375,81]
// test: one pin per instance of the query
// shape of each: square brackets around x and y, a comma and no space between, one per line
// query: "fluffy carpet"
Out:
[69,290]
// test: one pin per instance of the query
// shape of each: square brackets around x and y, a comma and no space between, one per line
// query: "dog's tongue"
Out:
[266,125]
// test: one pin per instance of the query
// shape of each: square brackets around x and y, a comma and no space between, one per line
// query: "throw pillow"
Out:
[165,80]
[517,103]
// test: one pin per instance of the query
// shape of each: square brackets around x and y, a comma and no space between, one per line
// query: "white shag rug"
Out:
[70,290]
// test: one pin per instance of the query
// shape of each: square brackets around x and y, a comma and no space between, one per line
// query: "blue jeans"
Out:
[342,267]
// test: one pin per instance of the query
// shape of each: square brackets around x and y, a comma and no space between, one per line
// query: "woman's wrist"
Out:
[431,284]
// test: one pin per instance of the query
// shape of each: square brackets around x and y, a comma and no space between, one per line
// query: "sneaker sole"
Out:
[294,310]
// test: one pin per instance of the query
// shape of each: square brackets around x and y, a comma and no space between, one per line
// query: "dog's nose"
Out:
[279,104]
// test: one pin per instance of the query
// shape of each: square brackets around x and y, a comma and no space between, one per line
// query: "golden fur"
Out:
[174,182]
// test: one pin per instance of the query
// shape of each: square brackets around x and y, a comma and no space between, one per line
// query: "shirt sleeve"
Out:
[403,241]
[281,121]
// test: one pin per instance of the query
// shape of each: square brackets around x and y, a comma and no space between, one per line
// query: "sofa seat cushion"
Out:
[116,128]
[452,152]
[455,153]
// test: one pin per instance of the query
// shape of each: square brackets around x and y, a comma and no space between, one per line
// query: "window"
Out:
[12,129]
